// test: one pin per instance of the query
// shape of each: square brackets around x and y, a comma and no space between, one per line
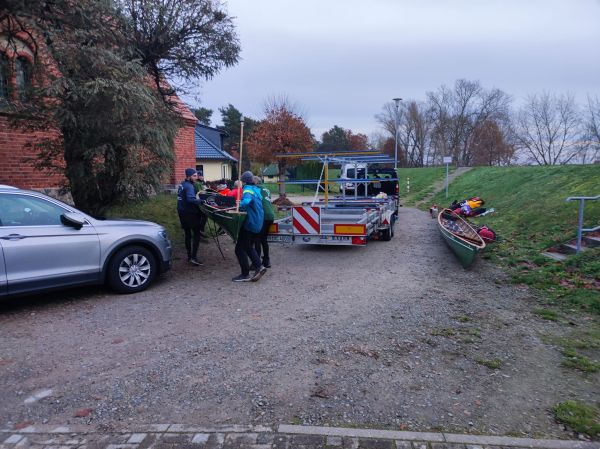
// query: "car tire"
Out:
[132,269]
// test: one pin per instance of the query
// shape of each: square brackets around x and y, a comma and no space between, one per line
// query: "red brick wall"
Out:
[15,169]
[185,151]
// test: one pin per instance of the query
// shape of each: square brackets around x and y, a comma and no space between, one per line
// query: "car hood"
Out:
[126,222]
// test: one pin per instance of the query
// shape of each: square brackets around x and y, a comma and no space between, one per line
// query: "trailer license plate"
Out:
[280,238]
[340,237]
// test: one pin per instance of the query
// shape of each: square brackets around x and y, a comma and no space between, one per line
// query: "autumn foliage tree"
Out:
[489,147]
[281,131]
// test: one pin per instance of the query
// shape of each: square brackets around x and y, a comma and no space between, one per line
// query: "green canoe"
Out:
[230,220]
[462,239]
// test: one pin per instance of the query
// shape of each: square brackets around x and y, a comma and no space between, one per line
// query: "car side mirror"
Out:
[74,220]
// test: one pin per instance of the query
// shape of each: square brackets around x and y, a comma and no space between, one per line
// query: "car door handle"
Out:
[12,237]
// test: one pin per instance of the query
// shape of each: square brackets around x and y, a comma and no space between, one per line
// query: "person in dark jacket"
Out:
[199,186]
[268,221]
[251,203]
[190,216]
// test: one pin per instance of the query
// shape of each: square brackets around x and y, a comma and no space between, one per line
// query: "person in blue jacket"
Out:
[190,215]
[251,203]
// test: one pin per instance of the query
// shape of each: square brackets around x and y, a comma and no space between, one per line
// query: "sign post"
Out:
[447,161]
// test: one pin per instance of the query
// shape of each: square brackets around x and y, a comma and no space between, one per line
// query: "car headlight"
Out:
[163,234]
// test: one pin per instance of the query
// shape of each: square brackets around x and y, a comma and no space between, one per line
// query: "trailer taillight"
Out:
[274,229]
[359,240]
[397,189]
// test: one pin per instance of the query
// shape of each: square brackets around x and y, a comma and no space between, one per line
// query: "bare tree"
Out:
[592,131]
[549,129]
[457,113]
[413,130]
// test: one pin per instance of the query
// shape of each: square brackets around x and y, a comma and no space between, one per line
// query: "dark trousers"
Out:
[191,223]
[244,249]
[203,221]
[262,240]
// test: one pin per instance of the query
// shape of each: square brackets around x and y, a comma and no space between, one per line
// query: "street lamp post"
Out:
[397,101]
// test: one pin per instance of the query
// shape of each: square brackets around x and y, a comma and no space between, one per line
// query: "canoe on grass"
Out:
[462,239]
[215,208]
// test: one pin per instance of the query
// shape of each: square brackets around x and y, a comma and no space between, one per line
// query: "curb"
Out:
[281,436]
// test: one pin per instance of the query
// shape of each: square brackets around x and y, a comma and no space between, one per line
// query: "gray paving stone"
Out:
[420,445]
[376,444]
[215,441]
[334,441]
[308,440]
[200,438]
[137,438]
[264,438]
[13,439]
[474,446]
[280,441]
[350,442]
[240,439]
[403,445]
[447,446]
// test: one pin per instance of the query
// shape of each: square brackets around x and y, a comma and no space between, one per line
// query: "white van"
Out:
[353,171]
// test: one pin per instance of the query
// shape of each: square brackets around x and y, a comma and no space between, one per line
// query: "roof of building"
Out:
[207,148]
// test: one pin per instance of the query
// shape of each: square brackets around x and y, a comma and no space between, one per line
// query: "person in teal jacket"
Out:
[251,203]
[268,221]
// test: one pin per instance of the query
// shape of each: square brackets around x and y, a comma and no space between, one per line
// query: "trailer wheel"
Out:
[387,234]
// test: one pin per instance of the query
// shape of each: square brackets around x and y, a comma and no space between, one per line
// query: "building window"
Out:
[224,171]
[3,77]
[23,76]
[200,170]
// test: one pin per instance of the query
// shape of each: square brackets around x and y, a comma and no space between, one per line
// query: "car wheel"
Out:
[132,269]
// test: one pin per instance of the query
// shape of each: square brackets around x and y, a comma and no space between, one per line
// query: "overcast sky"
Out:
[341,60]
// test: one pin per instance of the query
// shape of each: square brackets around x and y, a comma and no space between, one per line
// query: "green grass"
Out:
[547,314]
[491,364]
[579,362]
[421,181]
[580,417]
[531,216]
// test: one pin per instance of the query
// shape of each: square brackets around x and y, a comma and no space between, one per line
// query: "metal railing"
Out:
[580,228]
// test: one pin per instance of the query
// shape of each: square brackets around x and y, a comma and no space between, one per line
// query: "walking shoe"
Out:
[266,262]
[194,261]
[242,278]
[221,231]
[259,273]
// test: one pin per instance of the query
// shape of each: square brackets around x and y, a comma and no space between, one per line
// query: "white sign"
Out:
[447,160]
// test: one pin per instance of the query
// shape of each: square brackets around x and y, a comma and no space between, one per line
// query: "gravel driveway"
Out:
[392,336]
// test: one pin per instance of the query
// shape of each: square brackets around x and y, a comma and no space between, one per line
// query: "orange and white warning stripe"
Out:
[306,219]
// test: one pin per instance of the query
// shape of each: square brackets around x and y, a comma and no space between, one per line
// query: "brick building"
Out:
[16,80]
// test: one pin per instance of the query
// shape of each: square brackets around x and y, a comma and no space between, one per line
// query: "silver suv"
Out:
[46,244]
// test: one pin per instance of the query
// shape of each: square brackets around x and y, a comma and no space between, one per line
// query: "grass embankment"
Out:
[531,216]
[418,183]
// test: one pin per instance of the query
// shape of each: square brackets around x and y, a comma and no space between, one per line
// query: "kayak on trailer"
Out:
[462,239]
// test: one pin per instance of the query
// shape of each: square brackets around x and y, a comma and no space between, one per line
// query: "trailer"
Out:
[341,220]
